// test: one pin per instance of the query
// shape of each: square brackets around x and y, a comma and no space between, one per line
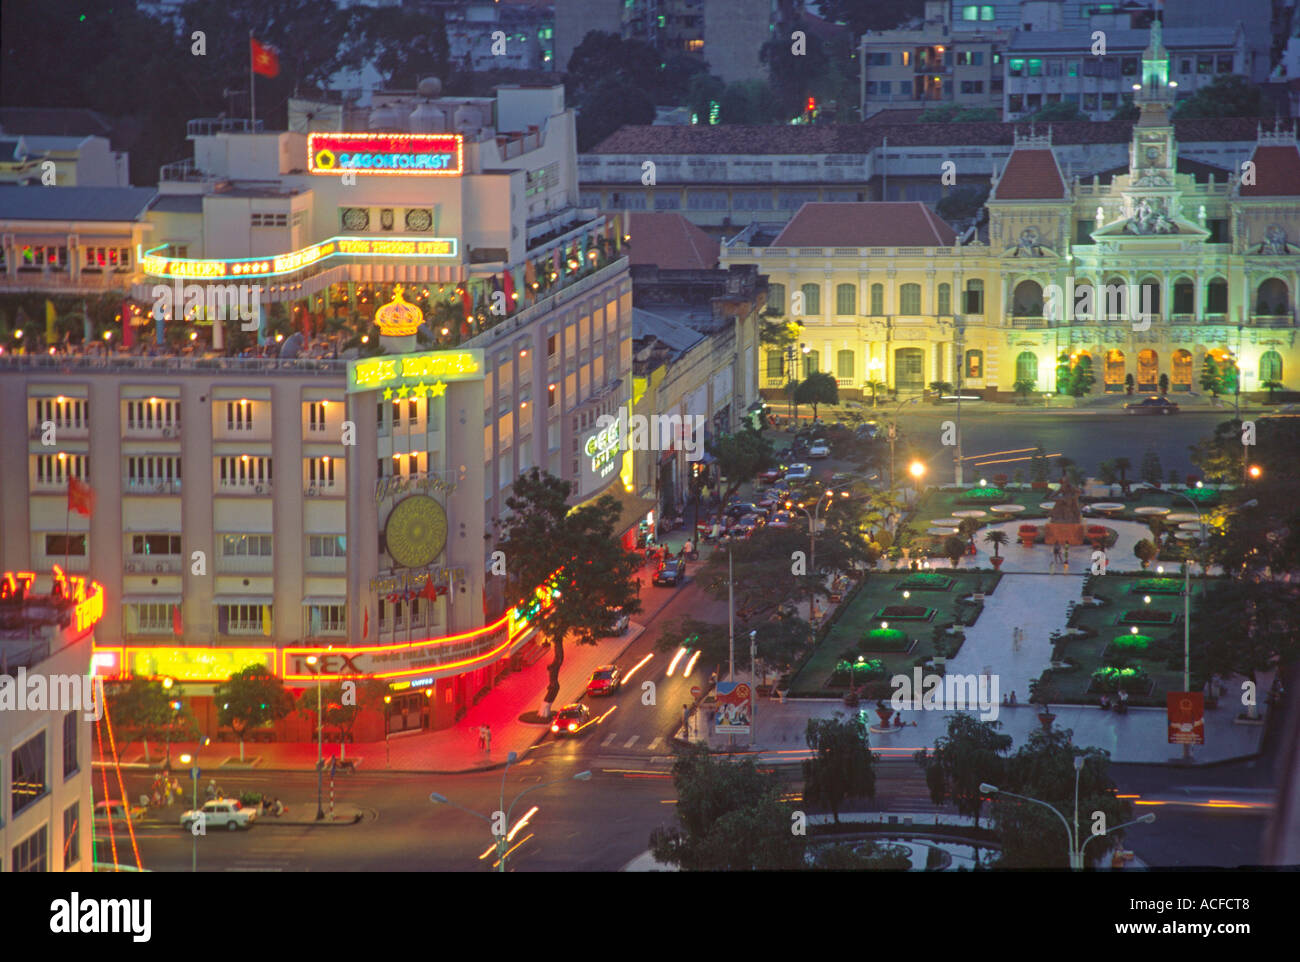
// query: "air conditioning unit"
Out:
[258,489]
[162,486]
[312,492]
[160,568]
[169,432]
[130,567]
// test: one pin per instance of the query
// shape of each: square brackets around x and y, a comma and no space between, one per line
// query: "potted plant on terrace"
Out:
[997,539]
[1041,693]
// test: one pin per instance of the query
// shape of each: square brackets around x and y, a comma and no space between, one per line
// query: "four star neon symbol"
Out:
[438,389]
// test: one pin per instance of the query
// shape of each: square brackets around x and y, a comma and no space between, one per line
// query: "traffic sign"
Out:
[195,773]
[695,691]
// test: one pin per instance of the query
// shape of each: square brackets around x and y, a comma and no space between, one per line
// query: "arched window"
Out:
[1112,300]
[877,300]
[844,365]
[975,296]
[1148,296]
[974,365]
[1148,370]
[1113,372]
[846,299]
[909,299]
[812,298]
[1273,298]
[945,299]
[812,363]
[1182,379]
[776,297]
[1216,296]
[1027,366]
[1270,366]
[1027,300]
[1184,297]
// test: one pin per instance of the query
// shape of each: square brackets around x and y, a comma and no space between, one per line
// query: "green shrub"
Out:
[1141,616]
[925,581]
[884,639]
[1156,586]
[1133,680]
[1132,642]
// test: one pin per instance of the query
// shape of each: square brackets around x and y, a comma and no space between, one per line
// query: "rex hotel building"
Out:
[256,510]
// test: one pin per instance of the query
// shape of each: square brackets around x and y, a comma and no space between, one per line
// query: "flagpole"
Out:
[252,88]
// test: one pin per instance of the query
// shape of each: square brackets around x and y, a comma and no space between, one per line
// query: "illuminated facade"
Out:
[888,293]
[47,628]
[339,503]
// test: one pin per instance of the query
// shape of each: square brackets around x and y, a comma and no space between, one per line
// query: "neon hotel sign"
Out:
[156,266]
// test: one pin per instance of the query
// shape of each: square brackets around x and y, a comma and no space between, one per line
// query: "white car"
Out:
[219,812]
[799,472]
[819,449]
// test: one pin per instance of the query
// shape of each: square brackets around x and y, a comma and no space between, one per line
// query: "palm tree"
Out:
[953,548]
[997,539]
[1123,466]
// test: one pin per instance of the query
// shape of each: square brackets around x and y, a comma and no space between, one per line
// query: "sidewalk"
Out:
[450,750]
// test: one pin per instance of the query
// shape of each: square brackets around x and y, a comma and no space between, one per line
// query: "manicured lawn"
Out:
[853,622]
[1149,659]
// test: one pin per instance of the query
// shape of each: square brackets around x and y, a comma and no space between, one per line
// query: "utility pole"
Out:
[731,616]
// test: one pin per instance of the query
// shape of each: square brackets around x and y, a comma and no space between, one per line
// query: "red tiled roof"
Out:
[804,139]
[871,224]
[1277,173]
[1030,174]
[671,242]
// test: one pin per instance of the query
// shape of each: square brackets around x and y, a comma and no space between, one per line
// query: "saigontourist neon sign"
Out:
[156,265]
[421,155]
[603,448]
[87,599]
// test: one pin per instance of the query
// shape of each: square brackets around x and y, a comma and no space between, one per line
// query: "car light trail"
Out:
[516,848]
[606,715]
[510,836]
[672,665]
[690,665]
[639,665]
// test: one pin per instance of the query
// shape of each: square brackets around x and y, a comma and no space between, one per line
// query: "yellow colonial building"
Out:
[1145,271]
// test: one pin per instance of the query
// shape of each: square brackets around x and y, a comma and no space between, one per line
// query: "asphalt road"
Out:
[1088,437]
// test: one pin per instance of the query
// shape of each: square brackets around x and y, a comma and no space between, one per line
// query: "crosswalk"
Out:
[276,852]
[620,742]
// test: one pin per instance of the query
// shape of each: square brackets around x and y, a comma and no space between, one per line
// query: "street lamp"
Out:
[1187,608]
[501,839]
[917,470]
[320,763]
[829,497]
[388,701]
[1076,846]
[187,759]
[171,719]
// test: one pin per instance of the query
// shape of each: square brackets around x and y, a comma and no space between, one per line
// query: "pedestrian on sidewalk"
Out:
[487,738]
[480,737]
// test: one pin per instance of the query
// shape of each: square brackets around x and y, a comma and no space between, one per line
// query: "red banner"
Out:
[1186,710]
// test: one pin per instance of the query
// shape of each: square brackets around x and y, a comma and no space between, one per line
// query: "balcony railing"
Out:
[145,564]
[143,486]
[1272,320]
[171,365]
[206,126]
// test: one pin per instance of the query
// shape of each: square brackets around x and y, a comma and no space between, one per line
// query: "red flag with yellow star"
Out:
[265,60]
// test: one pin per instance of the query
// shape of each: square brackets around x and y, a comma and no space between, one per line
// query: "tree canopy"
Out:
[1229,95]
[842,765]
[971,752]
[575,550]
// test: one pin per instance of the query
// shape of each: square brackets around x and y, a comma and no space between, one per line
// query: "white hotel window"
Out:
[245,471]
[56,469]
[64,412]
[150,471]
[316,415]
[326,619]
[327,546]
[270,220]
[243,619]
[320,472]
[148,415]
[239,416]
[150,619]
[246,545]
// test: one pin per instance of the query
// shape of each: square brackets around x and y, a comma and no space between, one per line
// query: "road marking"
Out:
[609,738]
[654,745]
[631,741]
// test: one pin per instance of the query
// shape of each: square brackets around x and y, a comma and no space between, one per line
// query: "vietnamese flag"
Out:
[81,497]
[508,284]
[128,332]
[365,625]
[265,60]
[177,626]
